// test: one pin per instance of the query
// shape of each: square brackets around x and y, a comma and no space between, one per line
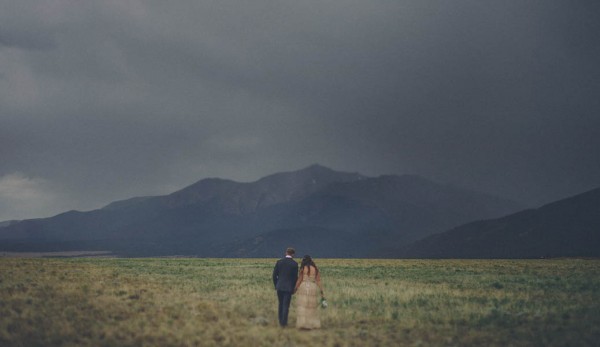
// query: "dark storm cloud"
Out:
[107,100]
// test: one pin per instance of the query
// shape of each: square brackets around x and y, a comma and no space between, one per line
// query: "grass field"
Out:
[231,302]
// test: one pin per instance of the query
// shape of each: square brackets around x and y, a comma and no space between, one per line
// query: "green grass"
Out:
[206,302]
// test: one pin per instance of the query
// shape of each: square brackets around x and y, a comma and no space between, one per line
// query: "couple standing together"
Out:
[306,285]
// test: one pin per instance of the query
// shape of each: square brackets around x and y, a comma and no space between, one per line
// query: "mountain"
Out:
[566,228]
[348,213]
[361,218]
[241,198]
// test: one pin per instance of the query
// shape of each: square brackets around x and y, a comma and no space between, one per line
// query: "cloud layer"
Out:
[114,99]
[22,196]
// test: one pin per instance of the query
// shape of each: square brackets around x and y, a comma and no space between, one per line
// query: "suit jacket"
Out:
[285,274]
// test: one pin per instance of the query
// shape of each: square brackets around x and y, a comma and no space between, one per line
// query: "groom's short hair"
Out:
[290,251]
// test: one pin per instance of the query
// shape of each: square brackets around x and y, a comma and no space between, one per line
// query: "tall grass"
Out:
[215,302]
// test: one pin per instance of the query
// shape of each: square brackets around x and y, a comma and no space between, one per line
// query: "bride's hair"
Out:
[307,261]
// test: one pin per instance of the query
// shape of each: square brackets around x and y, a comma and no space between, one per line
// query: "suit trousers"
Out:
[285,298]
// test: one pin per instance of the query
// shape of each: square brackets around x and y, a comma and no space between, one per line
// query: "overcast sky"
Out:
[106,100]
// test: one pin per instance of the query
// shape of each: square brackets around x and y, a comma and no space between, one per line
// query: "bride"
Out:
[307,298]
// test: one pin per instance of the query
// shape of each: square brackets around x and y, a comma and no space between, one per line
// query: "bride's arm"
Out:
[319,282]
[299,281]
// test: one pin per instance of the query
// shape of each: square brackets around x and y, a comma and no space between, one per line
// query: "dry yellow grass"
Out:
[231,302]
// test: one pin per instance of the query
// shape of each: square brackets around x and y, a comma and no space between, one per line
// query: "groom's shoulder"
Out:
[287,261]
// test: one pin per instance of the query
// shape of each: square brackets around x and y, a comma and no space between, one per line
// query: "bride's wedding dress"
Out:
[307,300]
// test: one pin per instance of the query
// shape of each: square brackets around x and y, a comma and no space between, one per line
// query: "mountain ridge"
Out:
[564,228]
[208,217]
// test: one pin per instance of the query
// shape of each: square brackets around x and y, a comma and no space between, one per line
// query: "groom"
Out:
[285,275]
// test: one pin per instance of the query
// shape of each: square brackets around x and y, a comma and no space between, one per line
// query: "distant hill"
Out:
[350,215]
[566,228]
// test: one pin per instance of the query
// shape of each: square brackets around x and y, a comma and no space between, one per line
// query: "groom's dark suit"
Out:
[285,275]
